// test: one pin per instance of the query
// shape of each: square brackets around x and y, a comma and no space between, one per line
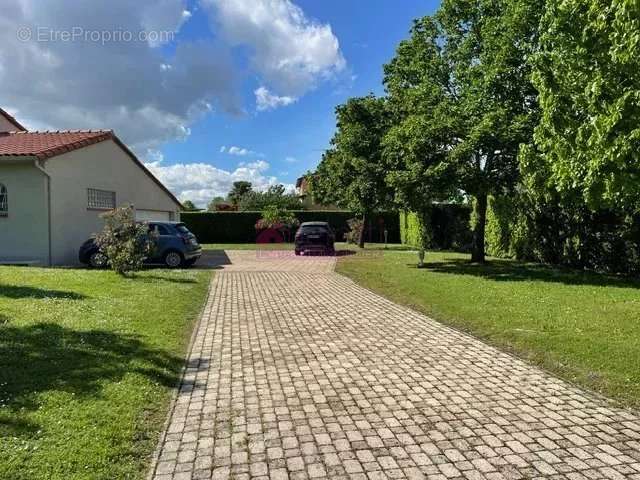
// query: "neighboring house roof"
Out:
[12,120]
[44,145]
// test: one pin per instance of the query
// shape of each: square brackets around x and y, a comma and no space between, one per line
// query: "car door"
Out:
[163,239]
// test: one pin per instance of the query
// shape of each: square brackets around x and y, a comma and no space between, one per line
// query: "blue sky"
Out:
[263,76]
[368,33]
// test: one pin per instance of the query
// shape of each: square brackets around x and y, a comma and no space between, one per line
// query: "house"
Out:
[55,185]
[307,200]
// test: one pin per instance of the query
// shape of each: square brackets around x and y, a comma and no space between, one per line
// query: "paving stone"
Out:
[295,372]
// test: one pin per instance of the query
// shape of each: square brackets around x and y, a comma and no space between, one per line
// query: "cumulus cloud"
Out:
[200,182]
[265,100]
[147,96]
[289,51]
[239,151]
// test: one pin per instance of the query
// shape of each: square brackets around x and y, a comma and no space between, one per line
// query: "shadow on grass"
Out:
[511,271]
[162,278]
[15,292]
[48,357]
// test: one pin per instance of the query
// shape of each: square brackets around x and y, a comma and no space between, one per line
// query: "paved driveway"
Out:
[297,372]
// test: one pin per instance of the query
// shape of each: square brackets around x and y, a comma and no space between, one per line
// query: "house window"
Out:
[101,199]
[4,201]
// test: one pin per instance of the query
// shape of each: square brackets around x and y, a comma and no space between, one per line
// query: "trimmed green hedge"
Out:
[239,227]
[568,235]
[449,227]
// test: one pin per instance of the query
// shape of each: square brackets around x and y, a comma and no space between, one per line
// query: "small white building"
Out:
[55,185]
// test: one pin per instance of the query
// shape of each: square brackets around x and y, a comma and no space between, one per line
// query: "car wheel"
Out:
[173,259]
[298,252]
[98,260]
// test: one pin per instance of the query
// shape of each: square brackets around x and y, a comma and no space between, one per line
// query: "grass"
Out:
[87,363]
[581,326]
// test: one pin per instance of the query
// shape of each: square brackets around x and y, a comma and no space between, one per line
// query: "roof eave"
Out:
[146,170]
[15,159]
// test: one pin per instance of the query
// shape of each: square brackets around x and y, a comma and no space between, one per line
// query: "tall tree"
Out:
[417,145]
[274,196]
[588,76]
[189,206]
[467,67]
[352,174]
[239,190]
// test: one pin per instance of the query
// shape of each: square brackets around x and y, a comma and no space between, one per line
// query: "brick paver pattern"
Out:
[296,372]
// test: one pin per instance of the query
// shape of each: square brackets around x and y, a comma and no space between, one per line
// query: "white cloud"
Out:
[151,95]
[200,182]
[238,151]
[290,159]
[289,51]
[265,100]
[146,95]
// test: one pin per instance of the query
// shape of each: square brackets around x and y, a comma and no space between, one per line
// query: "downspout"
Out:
[39,166]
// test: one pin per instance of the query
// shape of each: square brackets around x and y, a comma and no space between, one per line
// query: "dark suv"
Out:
[176,247]
[315,237]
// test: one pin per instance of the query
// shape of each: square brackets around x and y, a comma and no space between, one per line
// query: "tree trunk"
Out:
[477,248]
[362,232]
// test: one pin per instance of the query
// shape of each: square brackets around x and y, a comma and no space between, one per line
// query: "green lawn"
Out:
[583,327]
[87,363]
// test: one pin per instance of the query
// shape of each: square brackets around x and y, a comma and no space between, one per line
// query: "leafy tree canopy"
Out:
[351,173]
[239,190]
[588,76]
[189,206]
[275,196]
[463,102]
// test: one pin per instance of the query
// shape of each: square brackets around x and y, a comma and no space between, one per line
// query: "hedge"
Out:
[568,235]
[449,227]
[239,227]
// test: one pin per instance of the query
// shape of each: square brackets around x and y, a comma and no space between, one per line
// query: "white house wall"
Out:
[103,166]
[24,232]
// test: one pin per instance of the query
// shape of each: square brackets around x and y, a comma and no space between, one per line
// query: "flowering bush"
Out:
[125,242]
[277,218]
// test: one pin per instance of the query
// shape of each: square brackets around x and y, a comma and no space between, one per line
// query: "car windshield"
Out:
[182,228]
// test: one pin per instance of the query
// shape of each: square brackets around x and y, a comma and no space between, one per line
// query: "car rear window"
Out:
[314,230]
[182,228]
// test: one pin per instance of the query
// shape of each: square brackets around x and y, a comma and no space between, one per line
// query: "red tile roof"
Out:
[48,144]
[44,145]
[12,120]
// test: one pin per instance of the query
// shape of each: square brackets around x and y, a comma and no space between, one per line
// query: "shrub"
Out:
[356,225]
[125,242]
[277,218]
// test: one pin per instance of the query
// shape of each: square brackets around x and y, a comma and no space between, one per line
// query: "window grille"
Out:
[102,199]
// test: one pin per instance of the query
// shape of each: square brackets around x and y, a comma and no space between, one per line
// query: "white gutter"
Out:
[39,166]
